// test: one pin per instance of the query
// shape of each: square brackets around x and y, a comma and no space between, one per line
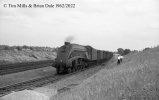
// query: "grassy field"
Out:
[15,56]
[137,78]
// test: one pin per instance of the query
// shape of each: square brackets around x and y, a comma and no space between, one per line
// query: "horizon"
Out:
[79,44]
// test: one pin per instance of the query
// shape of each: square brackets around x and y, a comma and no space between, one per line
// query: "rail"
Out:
[19,67]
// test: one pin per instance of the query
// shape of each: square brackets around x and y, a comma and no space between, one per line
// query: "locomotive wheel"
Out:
[83,65]
[86,65]
[74,69]
[78,67]
[60,69]
[69,70]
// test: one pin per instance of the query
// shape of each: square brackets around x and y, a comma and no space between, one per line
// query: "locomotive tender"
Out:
[73,57]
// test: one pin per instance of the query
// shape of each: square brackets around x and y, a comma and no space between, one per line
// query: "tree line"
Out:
[122,51]
[25,47]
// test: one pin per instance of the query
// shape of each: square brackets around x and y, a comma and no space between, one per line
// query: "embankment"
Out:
[15,56]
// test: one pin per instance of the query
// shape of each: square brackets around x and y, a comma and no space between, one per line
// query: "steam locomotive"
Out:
[73,57]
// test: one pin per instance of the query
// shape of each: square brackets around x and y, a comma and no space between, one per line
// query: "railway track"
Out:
[31,84]
[19,67]
[27,84]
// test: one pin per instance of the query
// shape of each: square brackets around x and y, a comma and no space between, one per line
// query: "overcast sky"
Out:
[103,24]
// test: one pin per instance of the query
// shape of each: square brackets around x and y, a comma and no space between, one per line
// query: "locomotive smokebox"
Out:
[67,43]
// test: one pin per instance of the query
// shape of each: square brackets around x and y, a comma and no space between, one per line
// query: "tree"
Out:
[146,49]
[25,47]
[120,51]
[6,47]
[19,48]
[126,51]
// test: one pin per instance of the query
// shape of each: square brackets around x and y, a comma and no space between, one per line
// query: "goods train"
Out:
[73,57]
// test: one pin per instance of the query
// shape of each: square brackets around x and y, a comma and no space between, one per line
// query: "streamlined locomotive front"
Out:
[61,59]
[70,57]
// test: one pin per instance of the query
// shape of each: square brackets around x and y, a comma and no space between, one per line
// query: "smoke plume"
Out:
[69,39]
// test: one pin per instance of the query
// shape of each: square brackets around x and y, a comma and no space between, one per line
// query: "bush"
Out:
[19,48]
[123,51]
[120,51]
[126,51]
